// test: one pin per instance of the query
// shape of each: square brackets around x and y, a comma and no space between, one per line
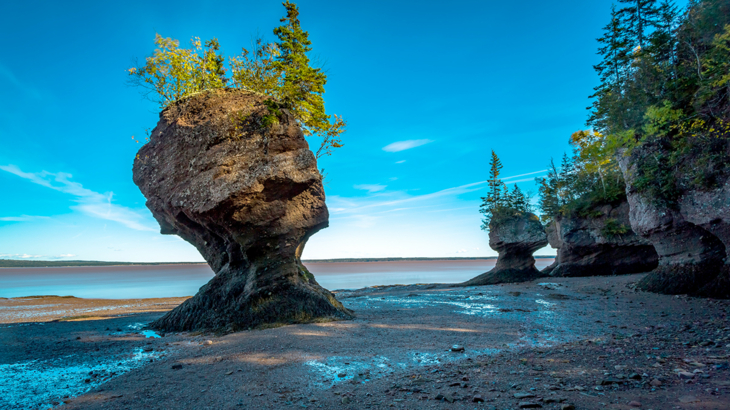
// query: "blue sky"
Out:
[428,89]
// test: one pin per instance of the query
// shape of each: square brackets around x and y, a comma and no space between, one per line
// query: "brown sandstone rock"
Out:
[247,196]
[691,256]
[515,238]
[586,247]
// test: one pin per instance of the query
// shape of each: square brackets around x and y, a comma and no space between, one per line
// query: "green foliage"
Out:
[281,70]
[500,202]
[172,72]
[272,118]
[665,85]
[612,228]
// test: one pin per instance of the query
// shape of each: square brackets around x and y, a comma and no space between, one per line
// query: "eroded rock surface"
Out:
[239,182]
[515,238]
[690,237]
[599,244]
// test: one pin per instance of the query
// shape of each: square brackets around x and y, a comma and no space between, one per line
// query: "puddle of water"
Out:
[338,369]
[150,334]
[45,384]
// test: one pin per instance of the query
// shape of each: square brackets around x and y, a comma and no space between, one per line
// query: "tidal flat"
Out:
[589,342]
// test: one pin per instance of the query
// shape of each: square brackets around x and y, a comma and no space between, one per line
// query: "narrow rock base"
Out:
[232,301]
[679,279]
[718,288]
[497,276]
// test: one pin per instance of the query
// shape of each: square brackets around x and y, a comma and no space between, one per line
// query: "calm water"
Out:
[156,281]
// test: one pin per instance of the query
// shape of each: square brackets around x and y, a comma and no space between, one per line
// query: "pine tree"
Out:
[302,86]
[639,16]
[614,51]
[495,184]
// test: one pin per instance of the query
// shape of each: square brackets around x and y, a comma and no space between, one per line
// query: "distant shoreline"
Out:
[11,263]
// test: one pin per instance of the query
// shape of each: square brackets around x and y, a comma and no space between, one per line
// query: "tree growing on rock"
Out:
[500,202]
[281,70]
[514,231]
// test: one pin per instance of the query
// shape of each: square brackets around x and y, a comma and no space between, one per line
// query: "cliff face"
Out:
[692,237]
[239,182]
[515,239]
[602,244]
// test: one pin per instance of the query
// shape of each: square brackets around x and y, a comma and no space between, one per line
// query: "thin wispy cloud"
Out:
[89,202]
[22,218]
[345,205]
[7,76]
[400,162]
[30,256]
[370,187]
[404,145]
[522,175]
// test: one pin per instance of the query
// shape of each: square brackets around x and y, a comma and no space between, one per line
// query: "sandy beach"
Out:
[590,342]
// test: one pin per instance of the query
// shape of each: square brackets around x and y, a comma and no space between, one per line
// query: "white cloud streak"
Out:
[404,145]
[22,218]
[89,202]
[370,187]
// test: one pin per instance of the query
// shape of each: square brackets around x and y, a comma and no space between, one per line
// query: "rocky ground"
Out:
[561,343]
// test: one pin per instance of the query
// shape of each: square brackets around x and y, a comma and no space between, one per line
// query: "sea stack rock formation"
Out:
[691,237]
[515,238]
[233,175]
[601,244]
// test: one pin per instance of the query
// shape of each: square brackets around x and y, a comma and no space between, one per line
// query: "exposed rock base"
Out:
[247,194]
[691,237]
[586,248]
[515,238]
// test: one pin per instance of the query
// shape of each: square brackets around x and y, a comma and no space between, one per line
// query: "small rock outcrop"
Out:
[601,243]
[235,177]
[692,237]
[515,238]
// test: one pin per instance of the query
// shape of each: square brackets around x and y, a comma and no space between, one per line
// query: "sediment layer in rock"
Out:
[237,180]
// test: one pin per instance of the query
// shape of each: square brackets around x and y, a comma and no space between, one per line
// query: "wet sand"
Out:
[590,342]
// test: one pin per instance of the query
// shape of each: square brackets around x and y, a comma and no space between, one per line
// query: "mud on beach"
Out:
[592,343]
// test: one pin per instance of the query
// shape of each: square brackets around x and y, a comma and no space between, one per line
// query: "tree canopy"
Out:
[664,80]
[281,70]
[501,202]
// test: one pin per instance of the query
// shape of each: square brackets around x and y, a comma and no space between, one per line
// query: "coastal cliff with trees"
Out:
[659,141]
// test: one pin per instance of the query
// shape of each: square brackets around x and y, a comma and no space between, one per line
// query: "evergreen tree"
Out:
[302,86]
[495,184]
[639,16]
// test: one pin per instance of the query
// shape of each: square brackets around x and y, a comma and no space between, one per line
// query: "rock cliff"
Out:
[233,175]
[515,238]
[601,243]
[691,236]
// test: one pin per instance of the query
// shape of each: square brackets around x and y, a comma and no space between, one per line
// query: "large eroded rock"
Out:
[247,194]
[515,238]
[691,238]
[602,244]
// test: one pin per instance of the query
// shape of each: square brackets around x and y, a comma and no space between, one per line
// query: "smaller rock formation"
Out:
[599,244]
[691,237]
[515,238]
[237,180]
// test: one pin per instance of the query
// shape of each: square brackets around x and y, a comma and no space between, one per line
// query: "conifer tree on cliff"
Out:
[640,16]
[302,85]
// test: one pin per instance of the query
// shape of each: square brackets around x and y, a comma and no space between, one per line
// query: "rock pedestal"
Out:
[690,237]
[515,238]
[237,180]
[602,244]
